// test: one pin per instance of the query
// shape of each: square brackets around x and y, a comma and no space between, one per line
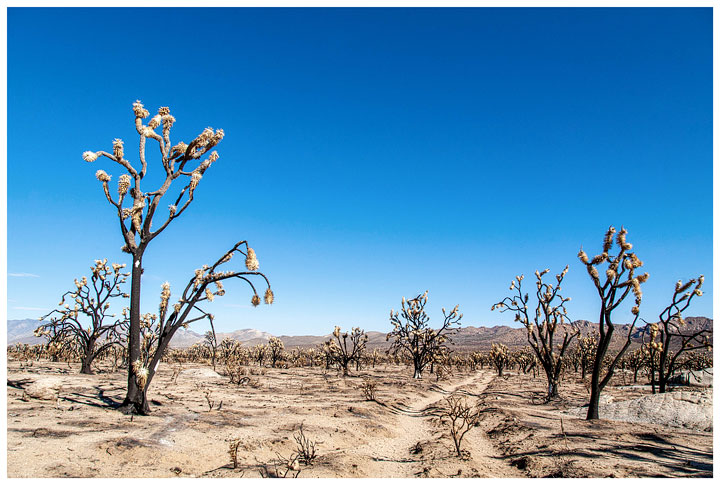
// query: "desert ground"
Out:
[62,424]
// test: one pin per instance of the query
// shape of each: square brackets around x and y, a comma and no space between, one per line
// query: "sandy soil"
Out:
[553,440]
[398,435]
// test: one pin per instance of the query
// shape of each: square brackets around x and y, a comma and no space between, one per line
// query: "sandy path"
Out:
[392,457]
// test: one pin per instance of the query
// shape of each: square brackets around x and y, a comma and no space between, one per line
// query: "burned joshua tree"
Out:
[276,349]
[499,357]
[586,349]
[346,347]
[210,340]
[672,331]
[184,166]
[620,280]
[86,325]
[205,285]
[549,317]
[412,333]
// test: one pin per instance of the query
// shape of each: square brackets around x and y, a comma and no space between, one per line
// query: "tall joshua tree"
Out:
[86,326]
[620,280]
[183,165]
[548,318]
[412,333]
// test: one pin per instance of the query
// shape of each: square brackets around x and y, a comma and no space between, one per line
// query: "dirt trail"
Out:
[393,457]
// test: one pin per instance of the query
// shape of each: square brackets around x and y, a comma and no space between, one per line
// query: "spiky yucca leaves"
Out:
[549,317]
[346,347]
[614,284]
[83,324]
[412,334]
[671,331]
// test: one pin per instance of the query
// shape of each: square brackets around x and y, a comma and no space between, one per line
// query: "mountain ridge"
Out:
[466,338]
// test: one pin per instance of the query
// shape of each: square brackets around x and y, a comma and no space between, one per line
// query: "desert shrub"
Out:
[207,393]
[177,369]
[281,467]
[442,372]
[233,452]
[369,389]
[305,449]
[461,417]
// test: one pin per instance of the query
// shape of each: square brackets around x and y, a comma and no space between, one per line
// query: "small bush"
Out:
[369,388]
[305,448]
[461,417]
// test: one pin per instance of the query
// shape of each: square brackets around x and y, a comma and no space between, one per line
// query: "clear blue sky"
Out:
[370,154]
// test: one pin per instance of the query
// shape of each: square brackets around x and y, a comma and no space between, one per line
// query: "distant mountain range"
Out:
[467,338]
[21,331]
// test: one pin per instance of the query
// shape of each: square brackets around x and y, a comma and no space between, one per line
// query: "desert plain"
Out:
[63,424]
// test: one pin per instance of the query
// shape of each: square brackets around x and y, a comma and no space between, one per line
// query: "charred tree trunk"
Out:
[87,359]
[594,405]
[553,378]
[135,401]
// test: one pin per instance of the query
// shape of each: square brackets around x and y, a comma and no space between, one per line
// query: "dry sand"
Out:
[61,424]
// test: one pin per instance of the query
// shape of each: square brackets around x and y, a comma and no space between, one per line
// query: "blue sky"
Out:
[370,154]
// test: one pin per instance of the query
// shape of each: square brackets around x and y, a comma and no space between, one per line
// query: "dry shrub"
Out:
[442,373]
[369,388]
[281,467]
[232,451]
[212,404]
[305,448]
[461,418]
